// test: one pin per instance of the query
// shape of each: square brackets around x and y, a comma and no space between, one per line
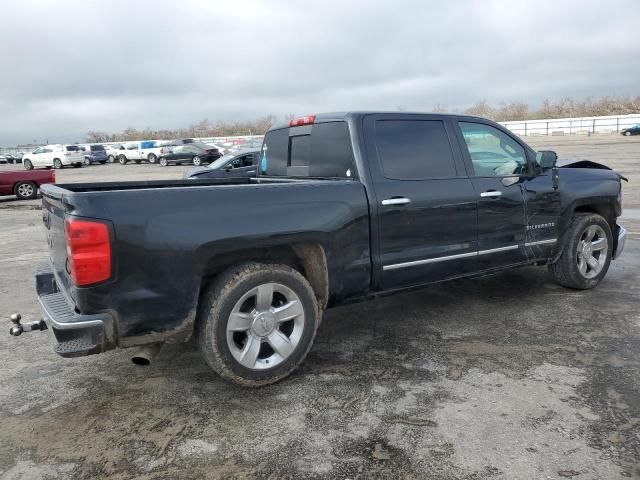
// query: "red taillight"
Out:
[308,120]
[88,251]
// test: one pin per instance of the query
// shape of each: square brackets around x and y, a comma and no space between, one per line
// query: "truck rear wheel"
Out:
[587,253]
[256,323]
[25,190]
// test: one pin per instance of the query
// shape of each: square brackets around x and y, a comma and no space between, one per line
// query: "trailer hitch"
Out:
[17,328]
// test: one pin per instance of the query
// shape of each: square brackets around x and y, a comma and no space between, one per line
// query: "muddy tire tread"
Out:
[564,271]
[210,307]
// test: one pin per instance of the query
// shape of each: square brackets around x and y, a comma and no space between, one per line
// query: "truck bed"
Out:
[169,236]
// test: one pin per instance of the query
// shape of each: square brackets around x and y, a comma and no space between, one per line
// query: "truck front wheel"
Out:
[257,322]
[586,255]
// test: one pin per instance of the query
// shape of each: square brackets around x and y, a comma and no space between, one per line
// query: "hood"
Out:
[194,172]
[576,163]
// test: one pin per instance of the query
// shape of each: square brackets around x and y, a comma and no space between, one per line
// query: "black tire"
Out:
[216,305]
[111,158]
[102,162]
[163,162]
[565,270]
[25,190]
[196,161]
[27,164]
[57,163]
[122,160]
[152,158]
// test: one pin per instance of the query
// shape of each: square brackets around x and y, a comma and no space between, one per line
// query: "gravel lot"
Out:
[507,377]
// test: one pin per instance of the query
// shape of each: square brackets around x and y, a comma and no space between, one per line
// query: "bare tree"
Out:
[481,109]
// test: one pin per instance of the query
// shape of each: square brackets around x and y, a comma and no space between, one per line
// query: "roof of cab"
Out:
[343,116]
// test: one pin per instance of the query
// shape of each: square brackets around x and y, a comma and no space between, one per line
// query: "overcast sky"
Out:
[69,67]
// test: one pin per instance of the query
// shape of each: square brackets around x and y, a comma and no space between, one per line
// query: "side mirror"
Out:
[546,159]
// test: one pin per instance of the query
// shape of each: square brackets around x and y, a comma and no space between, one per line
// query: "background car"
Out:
[112,151]
[197,153]
[634,130]
[24,185]
[55,155]
[130,151]
[94,154]
[15,157]
[240,163]
[4,159]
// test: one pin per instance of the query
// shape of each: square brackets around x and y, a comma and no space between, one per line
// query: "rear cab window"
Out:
[319,150]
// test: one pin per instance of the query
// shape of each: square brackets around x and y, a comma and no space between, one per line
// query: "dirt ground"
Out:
[506,377]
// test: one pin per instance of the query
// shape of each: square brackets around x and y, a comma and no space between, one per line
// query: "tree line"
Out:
[203,128]
[504,112]
[561,108]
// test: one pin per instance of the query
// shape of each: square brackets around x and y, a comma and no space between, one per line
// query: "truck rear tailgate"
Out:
[54,212]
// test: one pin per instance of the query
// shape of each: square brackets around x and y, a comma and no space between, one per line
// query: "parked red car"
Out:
[24,184]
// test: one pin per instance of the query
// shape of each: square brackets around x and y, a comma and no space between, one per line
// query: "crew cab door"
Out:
[424,215]
[497,165]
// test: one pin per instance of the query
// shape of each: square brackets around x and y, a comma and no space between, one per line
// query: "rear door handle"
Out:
[396,201]
[491,193]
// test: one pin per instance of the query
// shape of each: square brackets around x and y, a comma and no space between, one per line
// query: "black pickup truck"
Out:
[344,207]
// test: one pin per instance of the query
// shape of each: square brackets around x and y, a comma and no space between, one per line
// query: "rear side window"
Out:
[414,149]
[319,150]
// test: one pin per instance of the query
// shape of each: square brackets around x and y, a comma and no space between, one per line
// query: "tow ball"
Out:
[17,328]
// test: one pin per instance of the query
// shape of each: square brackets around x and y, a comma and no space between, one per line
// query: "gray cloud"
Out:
[74,66]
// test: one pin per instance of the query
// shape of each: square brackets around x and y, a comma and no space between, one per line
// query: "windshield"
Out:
[219,163]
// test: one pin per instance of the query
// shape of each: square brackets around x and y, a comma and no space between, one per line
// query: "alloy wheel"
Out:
[593,249]
[25,190]
[265,326]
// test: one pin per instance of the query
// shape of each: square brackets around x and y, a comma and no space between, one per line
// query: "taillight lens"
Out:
[88,251]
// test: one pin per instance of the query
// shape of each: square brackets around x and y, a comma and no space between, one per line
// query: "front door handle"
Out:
[491,194]
[396,201]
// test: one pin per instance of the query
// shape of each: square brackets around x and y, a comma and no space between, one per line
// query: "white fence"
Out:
[573,126]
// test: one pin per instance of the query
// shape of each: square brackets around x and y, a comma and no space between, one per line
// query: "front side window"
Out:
[414,149]
[493,153]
